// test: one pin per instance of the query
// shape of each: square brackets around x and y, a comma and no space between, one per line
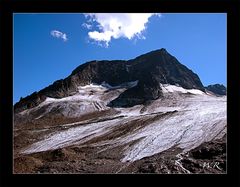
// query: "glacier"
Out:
[183,118]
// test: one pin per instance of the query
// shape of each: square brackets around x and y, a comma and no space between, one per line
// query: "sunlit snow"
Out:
[190,121]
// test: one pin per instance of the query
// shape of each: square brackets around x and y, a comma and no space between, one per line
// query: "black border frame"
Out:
[231,7]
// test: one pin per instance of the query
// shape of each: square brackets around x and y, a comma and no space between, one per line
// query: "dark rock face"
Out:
[149,69]
[28,102]
[218,89]
[147,89]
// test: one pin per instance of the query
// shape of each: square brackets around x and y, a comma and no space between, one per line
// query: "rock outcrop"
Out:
[218,89]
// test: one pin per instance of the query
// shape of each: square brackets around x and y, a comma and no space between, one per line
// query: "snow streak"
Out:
[186,122]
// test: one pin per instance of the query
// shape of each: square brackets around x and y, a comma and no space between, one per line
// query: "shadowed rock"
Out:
[149,69]
[218,89]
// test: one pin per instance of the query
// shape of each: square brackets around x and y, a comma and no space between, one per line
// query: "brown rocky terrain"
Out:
[208,158]
[146,115]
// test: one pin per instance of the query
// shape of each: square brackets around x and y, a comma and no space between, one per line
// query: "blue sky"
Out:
[47,47]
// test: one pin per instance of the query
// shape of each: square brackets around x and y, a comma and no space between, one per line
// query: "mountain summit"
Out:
[149,70]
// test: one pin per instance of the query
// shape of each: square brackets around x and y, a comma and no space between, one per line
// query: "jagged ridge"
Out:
[149,69]
[218,89]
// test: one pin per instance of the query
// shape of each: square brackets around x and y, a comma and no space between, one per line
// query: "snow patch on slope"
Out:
[166,88]
[201,121]
[75,135]
[198,119]
[88,99]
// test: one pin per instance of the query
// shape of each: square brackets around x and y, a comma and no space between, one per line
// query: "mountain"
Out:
[149,70]
[150,114]
[218,89]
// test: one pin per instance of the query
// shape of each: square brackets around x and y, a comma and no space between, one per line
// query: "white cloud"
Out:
[117,25]
[87,26]
[59,34]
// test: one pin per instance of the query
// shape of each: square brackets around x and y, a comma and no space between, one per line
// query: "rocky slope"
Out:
[77,135]
[156,120]
[208,158]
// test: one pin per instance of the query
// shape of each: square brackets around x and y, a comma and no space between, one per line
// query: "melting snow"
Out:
[201,121]
[166,88]
[198,119]
[72,136]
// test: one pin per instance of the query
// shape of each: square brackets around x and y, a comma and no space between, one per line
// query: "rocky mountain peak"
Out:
[218,89]
[149,70]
